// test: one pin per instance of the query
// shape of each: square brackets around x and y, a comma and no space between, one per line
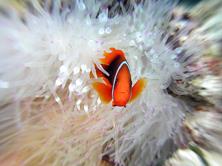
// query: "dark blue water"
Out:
[189,2]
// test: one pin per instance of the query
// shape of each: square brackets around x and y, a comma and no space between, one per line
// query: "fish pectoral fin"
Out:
[108,84]
[104,91]
[137,89]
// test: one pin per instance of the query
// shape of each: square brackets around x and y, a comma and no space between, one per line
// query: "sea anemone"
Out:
[51,115]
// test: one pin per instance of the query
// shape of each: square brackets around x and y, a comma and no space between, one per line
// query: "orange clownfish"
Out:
[117,86]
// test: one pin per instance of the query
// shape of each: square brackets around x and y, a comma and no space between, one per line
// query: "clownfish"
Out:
[117,84]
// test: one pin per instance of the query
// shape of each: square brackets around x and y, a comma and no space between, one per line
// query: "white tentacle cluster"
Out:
[50,50]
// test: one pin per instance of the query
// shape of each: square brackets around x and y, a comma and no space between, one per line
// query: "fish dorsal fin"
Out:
[109,57]
[137,89]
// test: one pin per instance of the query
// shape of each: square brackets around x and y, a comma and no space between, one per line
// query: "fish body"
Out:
[117,86]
